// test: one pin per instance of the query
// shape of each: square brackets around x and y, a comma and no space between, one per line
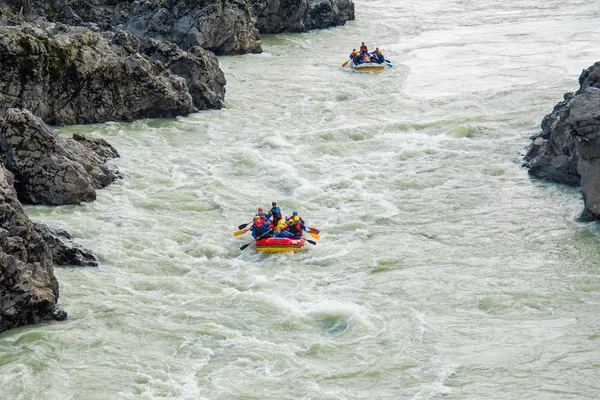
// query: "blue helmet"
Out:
[295,213]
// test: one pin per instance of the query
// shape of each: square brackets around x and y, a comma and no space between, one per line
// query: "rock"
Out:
[568,148]
[50,169]
[584,119]
[64,250]
[275,16]
[28,288]
[204,79]
[71,75]
[59,314]
[98,145]
[552,154]
[224,26]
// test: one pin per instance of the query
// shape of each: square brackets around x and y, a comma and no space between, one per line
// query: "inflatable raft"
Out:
[367,67]
[279,245]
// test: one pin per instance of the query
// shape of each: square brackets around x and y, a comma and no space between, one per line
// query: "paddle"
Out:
[242,226]
[240,232]
[313,230]
[345,63]
[260,237]
[311,241]
[314,235]
[389,64]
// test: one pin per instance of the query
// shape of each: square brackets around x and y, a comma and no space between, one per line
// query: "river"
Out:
[443,269]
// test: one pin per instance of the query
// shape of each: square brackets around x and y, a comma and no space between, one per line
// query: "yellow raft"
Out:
[367,67]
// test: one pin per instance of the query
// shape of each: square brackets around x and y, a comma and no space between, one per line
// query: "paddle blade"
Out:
[246,245]
[345,63]
[389,64]
[242,226]
[313,230]
[314,235]
[311,241]
[238,233]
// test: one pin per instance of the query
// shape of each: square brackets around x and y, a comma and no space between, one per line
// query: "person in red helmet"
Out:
[258,228]
[263,217]
[377,56]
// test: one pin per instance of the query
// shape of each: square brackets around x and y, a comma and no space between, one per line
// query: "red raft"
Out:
[279,245]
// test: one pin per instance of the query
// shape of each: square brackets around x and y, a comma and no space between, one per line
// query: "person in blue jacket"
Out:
[263,217]
[378,55]
[259,227]
[276,213]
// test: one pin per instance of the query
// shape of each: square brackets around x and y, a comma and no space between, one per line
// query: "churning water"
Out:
[443,270]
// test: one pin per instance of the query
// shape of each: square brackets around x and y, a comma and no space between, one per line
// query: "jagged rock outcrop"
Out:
[50,169]
[275,16]
[63,249]
[552,154]
[223,26]
[69,75]
[28,288]
[568,148]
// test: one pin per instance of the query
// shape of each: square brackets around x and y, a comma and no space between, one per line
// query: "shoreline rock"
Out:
[50,169]
[568,148]
[71,75]
[28,288]
[274,16]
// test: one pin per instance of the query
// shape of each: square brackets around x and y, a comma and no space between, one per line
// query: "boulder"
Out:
[71,75]
[224,26]
[28,289]
[275,16]
[568,148]
[50,169]
[64,250]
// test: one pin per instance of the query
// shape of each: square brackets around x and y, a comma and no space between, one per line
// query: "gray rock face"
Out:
[69,75]
[223,26]
[568,148]
[275,16]
[552,154]
[50,169]
[584,118]
[28,288]
[64,251]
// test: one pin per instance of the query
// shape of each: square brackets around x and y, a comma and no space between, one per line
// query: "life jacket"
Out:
[276,213]
[281,225]
[263,218]
[296,229]
[363,49]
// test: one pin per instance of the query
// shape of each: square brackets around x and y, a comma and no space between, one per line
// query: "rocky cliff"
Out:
[41,167]
[71,75]
[221,26]
[275,16]
[28,288]
[568,148]
[49,169]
